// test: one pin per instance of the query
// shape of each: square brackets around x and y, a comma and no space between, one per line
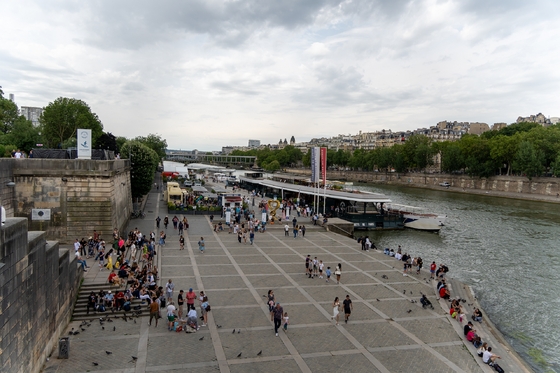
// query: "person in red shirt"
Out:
[433,267]
[444,293]
[191,296]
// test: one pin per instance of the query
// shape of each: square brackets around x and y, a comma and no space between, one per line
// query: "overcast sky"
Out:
[209,73]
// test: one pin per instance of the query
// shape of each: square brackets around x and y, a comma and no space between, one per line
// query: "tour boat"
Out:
[417,218]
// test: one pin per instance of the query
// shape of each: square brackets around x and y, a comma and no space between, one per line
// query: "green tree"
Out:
[417,151]
[477,156]
[503,149]
[452,158]
[529,160]
[556,166]
[154,142]
[9,113]
[62,118]
[143,163]
[272,166]
[24,135]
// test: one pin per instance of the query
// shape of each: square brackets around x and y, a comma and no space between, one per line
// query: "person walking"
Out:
[181,243]
[158,220]
[338,272]
[278,315]
[302,231]
[169,287]
[347,303]
[181,226]
[201,245]
[286,230]
[180,303]
[336,310]
[271,304]
[252,236]
[166,222]
[154,311]
[162,237]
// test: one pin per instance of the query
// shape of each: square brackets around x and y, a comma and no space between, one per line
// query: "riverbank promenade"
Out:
[386,331]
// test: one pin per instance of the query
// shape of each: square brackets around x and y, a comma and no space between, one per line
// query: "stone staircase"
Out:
[80,308]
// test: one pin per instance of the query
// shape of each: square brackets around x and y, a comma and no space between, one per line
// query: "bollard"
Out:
[63,348]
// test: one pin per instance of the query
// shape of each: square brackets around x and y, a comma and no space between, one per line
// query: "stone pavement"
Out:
[386,331]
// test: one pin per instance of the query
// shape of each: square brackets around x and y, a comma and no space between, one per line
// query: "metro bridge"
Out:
[224,160]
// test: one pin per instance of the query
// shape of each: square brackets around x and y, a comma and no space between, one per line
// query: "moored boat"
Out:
[418,218]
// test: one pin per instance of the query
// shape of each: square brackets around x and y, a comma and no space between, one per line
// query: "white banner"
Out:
[263,217]
[315,163]
[84,143]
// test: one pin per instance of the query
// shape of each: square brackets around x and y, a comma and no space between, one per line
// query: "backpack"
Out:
[126,306]
[359,239]
[498,368]
[101,308]
[162,302]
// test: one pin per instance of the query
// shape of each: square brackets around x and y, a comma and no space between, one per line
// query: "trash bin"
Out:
[63,348]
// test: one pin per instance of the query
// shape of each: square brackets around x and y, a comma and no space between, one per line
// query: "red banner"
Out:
[324,165]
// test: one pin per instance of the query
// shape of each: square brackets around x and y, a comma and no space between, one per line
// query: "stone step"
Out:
[82,314]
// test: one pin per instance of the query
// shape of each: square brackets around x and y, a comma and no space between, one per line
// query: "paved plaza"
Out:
[386,331]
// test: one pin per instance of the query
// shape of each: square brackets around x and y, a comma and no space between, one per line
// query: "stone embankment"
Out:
[539,189]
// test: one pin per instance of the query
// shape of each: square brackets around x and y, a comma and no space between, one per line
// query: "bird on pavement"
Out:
[108,352]
[233,331]
[96,364]
[134,358]
[259,353]
[201,338]
[409,311]
[114,328]
[239,354]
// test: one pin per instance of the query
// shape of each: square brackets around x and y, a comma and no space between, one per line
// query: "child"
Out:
[328,272]
[321,266]
[286,321]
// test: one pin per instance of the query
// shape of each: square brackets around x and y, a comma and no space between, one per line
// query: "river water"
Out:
[505,249]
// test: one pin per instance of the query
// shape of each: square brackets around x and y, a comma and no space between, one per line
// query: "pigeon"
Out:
[109,320]
[259,353]
[88,325]
[219,326]
[134,358]
[377,299]
[233,331]
[108,352]
[96,364]
[411,292]
[404,291]
[239,354]
[264,296]
[135,321]
[238,331]
[83,330]
[103,327]
[201,338]
[76,333]
[409,311]
[125,318]
[114,328]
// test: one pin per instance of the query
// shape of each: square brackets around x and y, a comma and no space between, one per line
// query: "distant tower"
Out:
[280,142]
[12,98]
[292,140]
[285,142]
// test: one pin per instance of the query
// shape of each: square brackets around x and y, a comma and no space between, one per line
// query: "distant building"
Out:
[554,120]
[539,118]
[32,114]
[478,128]
[254,143]
[12,97]
[498,126]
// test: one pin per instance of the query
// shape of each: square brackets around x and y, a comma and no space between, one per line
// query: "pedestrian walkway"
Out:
[387,332]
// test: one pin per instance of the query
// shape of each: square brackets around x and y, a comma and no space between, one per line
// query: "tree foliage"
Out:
[62,118]
[154,142]
[143,163]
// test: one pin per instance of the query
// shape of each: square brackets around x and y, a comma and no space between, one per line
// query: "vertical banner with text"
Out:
[84,143]
[324,165]
[315,171]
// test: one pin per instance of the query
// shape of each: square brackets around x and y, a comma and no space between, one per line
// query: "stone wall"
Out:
[7,192]
[39,283]
[82,195]
[546,186]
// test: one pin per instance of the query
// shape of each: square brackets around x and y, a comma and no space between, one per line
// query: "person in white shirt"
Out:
[171,315]
[488,357]
[192,318]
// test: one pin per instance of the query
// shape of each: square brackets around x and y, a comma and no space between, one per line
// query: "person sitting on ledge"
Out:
[477,315]
[392,252]
[386,251]
[426,302]
[488,357]
[444,293]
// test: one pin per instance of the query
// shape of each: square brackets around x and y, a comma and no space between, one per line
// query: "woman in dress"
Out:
[336,307]
[271,304]
[162,239]
[201,245]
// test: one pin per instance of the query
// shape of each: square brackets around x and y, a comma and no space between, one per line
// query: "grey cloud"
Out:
[134,24]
